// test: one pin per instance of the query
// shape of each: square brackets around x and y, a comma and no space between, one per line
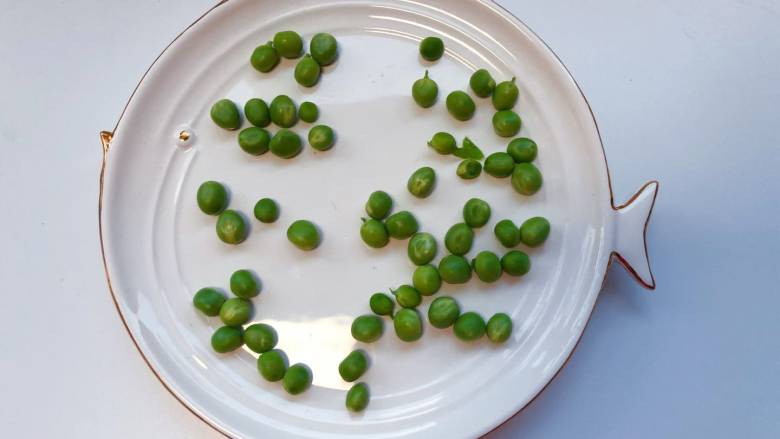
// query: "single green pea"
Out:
[487,266]
[374,233]
[285,144]
[297,379]
[506,123]
[307,71]
[426,280]
[353,366]
[254,140]
[526,179]
[505,95]
[522,150]
[357,397]
[469,169]
[454,269]
[401,225]
[225,114]
[476,212]
[244,284]
[460,105]
[231,227]
[407,296]
[367,328]
[469,326]
[507,233]
[534,231]
[443,143]
[304,235]
[408,325]
[227,339]
[422,248]
[443,312]
[422,182]
[499,328]
[212,197]
[321,137]
[260,337]
[283,111]
[431,48]
[208,301]
[257,112]
[266,210]
[425,91]
[324,48]
[516,263]
[235,311]
[272,365]
[264,58]
[308,112]
[499,164]
[379,205]
[459,239]
[482,83]
[288,43]
[381,304]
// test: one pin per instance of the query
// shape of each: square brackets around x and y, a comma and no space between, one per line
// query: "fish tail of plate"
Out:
[631,221]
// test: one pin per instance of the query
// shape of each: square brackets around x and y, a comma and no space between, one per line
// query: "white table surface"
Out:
[685,92]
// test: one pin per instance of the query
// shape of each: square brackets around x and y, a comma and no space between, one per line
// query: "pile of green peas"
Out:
[323,51]
[381,225]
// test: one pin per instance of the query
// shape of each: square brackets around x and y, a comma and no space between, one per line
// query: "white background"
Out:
[685,92]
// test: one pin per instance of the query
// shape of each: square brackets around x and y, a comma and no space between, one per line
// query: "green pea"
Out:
[266,210]
[231,227]
[285,144]
[308,112]
[460,105]
[212,197]
[469,150]
[499,164]
[283,112]
[381,304]
[408,325]
[507,233]
[254,140]
[522,150]
[459,239]
[260,337]
[506,123]
[469,326]
[307,71]
[324,48]
[515,263]
[272,365]
[505,95]
[443,312]
[208,301]
[407,296]
[367,328]
[244,284]
[487,266]
[225,114]
[321,137]
[264,58]
[476,212]
[374,233]
[304,235]
[534,231]
[227,339]
[469,169]
[422,248]
[353,366]
[235,311]
[379,205]
[357,397]
[425,91]
[499,328]
[426,280]
[297,379]
[431,48]
[526,179]
[454,269]
[288,43]
[257,112]
[482,83]
[422,182]
[443,143]
[401,225]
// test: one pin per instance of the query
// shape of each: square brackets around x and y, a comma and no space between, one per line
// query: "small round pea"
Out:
[367,328]
[264,58]
[257,112]
[357,397]
[307,71]
[426,280]
[283,111]
[244,284]
[506,123]
[469,169]
[516,263]
[374,233]
[422,248]
[499,328]
[212,197]
[526,179]
[235,311]
[476,212]
[308,112]
[266,210]
[297,379]
[443,143]
[304,235]
[260,337]
[254,140]
[407,296]
[208,301]
[505,95]
[425,91]
[482,83]
[408,325]
[288,43]
[522,150]
[499,164]
[459,239]
[324,48]
[227,339]
[225,114]
[231,227]
[487,266]
[460,105]
[507,233]
[381,304]
[401,225]
[422,182]
[469,326]
[379,205]
[321,137]
[285,144]
[454,269]
[353,365]
[443,312]
[272,365]
[431,48]
[534,231]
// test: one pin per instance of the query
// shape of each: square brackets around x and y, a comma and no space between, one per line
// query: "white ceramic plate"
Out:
[159,249]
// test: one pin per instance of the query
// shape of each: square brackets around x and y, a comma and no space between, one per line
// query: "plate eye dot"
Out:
[184,136]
